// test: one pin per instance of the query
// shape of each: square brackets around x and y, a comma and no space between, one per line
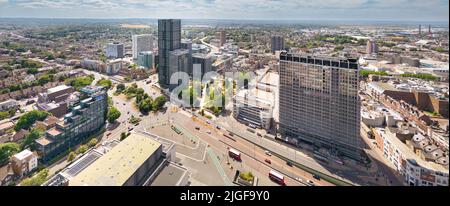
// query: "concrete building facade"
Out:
[319,102]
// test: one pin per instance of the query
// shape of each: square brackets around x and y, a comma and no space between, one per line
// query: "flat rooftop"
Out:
[57,89]
[119,164]
[170,175]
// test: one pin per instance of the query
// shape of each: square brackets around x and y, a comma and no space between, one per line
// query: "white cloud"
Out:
[431,9]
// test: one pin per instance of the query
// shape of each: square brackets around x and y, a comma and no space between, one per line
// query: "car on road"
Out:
[207,122]
[267,153]
[268,161]
[108,134]
[289,164]
[197,128]
[130,129]
[208,132]
[317,177]
[128,112]
[299,179]
[124,104]
[310,183]
[217,127]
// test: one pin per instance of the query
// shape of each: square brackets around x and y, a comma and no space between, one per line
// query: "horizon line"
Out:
[236,19]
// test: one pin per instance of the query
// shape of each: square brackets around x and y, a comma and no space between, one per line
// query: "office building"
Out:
[187,44]
[277,43]
[84,120]
[114,66]
[319,102]
[94,65]
[169,39]
[130,163]
[24,162]
[146,59]
[204,62]
[371,47]
[114,50]
[222,37]
[178,62]
[143,42]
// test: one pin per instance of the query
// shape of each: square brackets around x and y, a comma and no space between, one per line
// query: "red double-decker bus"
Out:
[234,154]
[276,177]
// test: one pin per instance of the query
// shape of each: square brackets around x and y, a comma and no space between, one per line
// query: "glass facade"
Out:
[84,120]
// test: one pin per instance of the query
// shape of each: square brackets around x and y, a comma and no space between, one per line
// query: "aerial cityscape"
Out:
[105,95]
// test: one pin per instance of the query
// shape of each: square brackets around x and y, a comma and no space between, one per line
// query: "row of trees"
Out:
[82,149]
[28,119]
[80,82]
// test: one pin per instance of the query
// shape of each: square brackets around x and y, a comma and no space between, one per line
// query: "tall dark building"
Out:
[277,43]
[319,102]
[187,44]
[169,39]
[205,62]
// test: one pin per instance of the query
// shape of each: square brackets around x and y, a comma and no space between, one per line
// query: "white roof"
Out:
[57,89]
[23,155]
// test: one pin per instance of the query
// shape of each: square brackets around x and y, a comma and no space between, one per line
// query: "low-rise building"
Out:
[130,163]
[24,162]
[113,67]
[9,105]
[5,126]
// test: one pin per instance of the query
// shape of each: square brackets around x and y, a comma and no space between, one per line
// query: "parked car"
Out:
[268,153]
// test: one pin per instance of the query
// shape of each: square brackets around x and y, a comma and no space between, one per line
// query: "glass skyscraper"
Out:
[169,39]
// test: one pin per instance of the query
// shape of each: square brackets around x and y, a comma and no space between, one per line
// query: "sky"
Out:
[398,10]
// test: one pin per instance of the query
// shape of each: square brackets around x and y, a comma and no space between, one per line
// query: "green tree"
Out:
[158,103]
[32,71]
[80,82]
[105,83]
[120,88]
[82,149]
[28,119]
[37,180]
[93,142]
[146,105]
[113,114]
[29,141]
[7,150]
[71,156]
[4,115]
